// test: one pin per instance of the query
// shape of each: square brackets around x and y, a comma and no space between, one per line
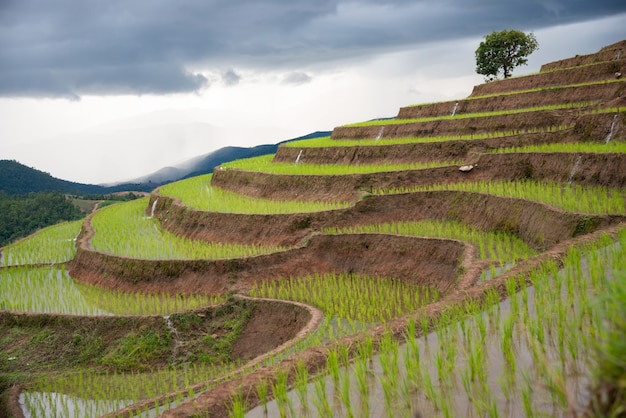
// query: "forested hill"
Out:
[24,214]
[17,179]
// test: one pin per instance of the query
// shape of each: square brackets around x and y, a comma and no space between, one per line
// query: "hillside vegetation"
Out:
[465,258]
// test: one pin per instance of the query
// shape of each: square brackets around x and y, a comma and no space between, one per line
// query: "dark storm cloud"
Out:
[68,48]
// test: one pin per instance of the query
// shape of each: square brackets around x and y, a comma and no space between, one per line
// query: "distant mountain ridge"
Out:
[17,178]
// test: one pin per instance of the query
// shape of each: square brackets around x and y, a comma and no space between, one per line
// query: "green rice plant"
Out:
[342,295]
[493,245]
[197,193]
[54,244]
[52,290]
[124,230]
[475,115]
[328,142]
[573,198]
[98,393]
[264,164]
[615,147]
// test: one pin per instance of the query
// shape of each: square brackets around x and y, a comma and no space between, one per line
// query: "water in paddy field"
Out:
[50,404]
[465,369]
[44,290]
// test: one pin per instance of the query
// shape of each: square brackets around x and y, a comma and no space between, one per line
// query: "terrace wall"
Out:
[608,53]
[586,74]
[428,262]
[557,95]
[461,126]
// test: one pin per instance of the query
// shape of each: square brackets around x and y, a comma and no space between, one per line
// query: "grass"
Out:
[264,164]
[123,229]
[197,193]
[573,198]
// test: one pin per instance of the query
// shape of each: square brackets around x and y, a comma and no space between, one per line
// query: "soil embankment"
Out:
[429,262]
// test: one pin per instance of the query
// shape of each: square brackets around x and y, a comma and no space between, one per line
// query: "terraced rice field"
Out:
[362,274]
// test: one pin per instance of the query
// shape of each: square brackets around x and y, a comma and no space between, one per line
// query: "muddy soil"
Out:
[591,73]
[608,53]
[430,262]
[462,126]
[538,225]
[593,169]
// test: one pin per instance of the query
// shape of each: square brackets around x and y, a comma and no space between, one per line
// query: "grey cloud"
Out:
[69,48]
[231,78]
[296,78]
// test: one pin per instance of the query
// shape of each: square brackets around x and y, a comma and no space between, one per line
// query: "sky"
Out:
[99,91]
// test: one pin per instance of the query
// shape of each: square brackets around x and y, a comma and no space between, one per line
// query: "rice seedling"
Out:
[614,147]
[197,193]
[124,230]
[476,115]
[264,164]
[573,198]
[52,290]
[492,245]
[515,364]
[54,244]
[97,393]
[348,296]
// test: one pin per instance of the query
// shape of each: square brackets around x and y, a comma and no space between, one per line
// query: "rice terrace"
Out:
[466,258]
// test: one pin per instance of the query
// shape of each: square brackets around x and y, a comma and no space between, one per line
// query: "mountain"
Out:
[16,178]
[204,164]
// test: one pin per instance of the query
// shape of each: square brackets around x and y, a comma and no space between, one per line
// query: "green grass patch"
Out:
[197,193]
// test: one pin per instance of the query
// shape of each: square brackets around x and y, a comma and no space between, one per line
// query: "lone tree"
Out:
[502,51]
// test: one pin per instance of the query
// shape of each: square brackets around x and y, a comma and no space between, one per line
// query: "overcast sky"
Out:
[99,91]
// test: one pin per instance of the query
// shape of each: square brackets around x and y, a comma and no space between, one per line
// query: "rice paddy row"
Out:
[492,245]
[51,290]
[563,106]
[328,142]
[530,355]
[568,197]
[54,244]
[124,230]
[570,147]
[264,164]
[348,296]
[197,193]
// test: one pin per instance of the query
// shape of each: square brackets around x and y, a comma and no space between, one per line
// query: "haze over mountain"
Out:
[17,178]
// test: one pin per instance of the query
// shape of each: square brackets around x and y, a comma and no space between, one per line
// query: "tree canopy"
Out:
[502,51]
